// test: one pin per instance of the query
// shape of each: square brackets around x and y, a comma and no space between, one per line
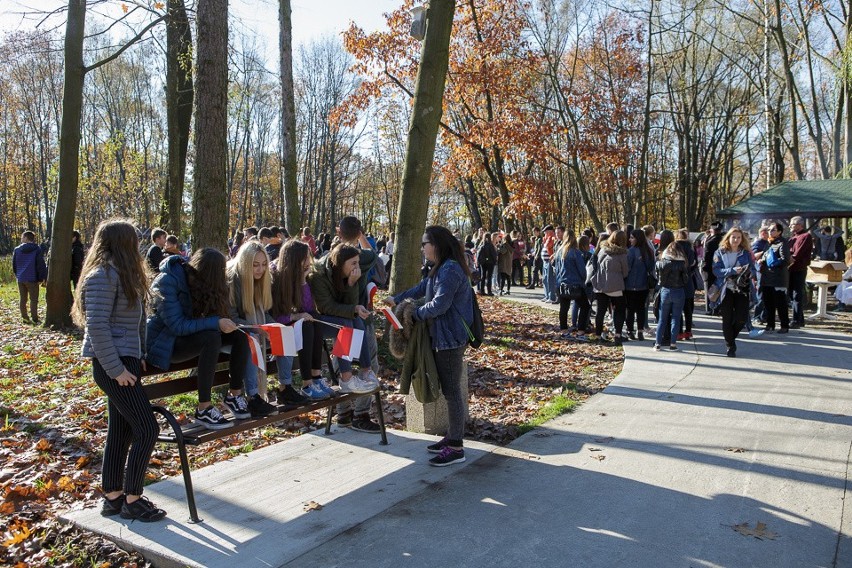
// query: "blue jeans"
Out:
[284,364]
[357,323]
[250,378]
[549,281]
[671,309]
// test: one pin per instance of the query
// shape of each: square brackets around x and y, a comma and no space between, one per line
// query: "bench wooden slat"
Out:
[193,436]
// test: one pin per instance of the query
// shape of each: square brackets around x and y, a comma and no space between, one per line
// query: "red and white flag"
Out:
[297,332]
[348,343]
[371,293]
[257,355]
[394,321]
[282,340]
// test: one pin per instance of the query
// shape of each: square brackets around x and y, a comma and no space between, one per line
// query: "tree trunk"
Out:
[417,175]
[288,120]
[209,211]
[58,302]
[179,95]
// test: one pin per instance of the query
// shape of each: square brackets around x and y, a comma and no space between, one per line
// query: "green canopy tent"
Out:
[815,199]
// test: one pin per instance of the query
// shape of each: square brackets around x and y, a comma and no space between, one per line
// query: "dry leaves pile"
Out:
[53,421]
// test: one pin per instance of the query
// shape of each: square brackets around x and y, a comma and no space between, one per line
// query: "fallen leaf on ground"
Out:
[313,506]
[595,449]
[599,457]
[759,531]
[606,440]
[735,450]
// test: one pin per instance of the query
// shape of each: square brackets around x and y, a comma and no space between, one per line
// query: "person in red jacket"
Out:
[801,247]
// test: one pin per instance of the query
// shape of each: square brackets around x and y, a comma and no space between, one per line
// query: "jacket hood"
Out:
[669,256]
[172,265]
[28,247]
[612,249]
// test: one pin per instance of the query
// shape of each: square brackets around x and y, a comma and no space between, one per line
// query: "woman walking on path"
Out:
[672,273]
[608,283]
[640,267]
[449,311]
[775,278]
[109,303]
[732,269]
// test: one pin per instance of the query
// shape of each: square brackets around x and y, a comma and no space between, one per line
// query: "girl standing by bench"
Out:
[109,303]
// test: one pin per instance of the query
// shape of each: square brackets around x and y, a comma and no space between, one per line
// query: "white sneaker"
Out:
[370,377]
[356,385]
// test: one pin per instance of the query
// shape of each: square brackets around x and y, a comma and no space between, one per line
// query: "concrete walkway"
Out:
[686,459]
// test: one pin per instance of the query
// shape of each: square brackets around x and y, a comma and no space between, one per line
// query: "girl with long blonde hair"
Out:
[731,266]
[250,298]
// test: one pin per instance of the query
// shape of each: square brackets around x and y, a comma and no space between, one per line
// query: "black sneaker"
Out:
[142,510]
[212,419]
[448,456]
[288,396]
[437,447]
[364,424]
[345,419]
[112,507]
[260,408]
[238,406]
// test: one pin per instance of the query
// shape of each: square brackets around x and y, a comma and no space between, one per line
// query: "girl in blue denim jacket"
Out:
[448,311]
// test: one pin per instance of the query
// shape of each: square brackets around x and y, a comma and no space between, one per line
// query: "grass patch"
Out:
[560,405]
[6,273]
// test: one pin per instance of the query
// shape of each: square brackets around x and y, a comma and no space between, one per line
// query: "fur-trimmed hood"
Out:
[612,249]
[404,311]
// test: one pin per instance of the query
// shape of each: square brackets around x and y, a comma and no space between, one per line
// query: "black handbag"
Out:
[567,292]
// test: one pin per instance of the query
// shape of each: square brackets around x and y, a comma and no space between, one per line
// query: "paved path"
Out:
[657,471]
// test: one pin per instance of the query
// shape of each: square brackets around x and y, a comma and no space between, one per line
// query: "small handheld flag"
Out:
[257,356]
[394,321]
[282,340]
[371,293]
[348,343]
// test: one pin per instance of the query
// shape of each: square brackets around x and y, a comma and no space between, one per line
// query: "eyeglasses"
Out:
[424,243]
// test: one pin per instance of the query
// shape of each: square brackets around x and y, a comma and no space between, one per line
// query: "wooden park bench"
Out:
[195,434]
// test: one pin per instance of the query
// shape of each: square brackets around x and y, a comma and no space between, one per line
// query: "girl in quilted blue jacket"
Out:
[109,304]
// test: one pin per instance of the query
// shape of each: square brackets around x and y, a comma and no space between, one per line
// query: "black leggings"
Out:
[734,315]
[206,345]
[507,280]
[618,309]
[775,301]
[131,433]
[637,309]
[487,275]
[310,357]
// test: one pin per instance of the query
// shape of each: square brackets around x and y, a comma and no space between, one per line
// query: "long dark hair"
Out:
[208,285]
[666,238]
[641,243]
[337,258]
[286,280]
[447,246]
[116,244]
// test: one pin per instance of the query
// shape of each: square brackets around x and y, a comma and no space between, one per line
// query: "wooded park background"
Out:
[576,112]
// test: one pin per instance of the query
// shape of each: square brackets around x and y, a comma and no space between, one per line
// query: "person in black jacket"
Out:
[77,254]
[155,254]
[775,278]
[30,271]
[486,258]
[711,245]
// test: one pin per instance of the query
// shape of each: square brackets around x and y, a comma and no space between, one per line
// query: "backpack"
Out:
[592,269]
[773,260]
